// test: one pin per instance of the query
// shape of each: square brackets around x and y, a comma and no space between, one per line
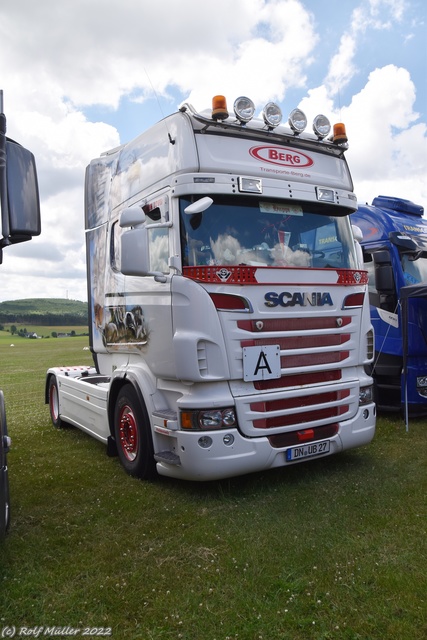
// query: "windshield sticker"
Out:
[280,208]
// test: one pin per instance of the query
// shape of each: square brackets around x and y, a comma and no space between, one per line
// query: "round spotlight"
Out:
[228,439]
[205,442]
[321,126]
[297,120]
[272,115]
[244,109]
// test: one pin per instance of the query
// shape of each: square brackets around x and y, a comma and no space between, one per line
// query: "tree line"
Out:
[45,319]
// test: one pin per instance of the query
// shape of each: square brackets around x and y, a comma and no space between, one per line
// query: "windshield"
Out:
[414,271]
[259,232]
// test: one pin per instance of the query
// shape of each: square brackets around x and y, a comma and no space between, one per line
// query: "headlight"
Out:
[366,395]
[208,419]
[422,381]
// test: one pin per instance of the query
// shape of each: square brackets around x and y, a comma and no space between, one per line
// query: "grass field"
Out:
[331,549]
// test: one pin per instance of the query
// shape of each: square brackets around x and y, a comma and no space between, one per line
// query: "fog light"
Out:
[228,439]
[366,414]
[422,381]
[205,442]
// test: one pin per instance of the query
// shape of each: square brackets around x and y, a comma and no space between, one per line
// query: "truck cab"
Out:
[395,255]
[229,319]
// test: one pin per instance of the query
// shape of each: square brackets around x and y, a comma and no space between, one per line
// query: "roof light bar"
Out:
[244,109]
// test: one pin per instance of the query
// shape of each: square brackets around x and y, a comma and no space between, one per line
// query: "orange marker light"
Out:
[186,421]
[219,108]
[340,135]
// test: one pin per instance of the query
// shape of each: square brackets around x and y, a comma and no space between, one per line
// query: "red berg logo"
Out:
[281,156]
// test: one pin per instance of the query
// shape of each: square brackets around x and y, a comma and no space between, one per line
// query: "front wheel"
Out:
[133,435]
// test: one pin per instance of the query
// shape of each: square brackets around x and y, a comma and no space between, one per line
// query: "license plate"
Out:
[308,450]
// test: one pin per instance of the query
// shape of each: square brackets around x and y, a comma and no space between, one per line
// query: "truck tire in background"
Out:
[54,403]
[133,435]
[4,477]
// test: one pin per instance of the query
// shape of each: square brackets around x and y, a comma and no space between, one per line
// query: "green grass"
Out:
[331,549]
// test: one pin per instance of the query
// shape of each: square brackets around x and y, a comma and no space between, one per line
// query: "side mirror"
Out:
[384,277]
[131,217]
[357,233]
[135,255]
[20,201]
[198,206]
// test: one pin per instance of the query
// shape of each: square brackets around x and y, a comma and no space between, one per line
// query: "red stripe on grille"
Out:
[312,359]
[300,418]
[299,379]
[293,324]
[301,401]
[301,342]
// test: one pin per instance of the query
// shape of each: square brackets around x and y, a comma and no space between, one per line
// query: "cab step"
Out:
[167,456]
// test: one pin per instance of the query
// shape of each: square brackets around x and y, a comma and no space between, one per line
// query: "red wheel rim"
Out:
[128,433]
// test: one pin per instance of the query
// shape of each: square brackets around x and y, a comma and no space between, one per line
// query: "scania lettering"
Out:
[229,319]
[287,299]
[19,222]
[395,255]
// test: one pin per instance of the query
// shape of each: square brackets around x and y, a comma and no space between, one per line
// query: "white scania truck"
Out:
[229,317]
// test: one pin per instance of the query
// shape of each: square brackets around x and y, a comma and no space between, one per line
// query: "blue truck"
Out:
[394,248]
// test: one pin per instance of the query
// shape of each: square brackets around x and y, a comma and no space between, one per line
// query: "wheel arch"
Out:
[144,389]
[49,376]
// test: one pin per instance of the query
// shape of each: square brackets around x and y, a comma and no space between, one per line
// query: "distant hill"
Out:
[45,312]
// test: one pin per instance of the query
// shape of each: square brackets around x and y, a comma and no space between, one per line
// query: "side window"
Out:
[159,249]
[115,246]
[157,211]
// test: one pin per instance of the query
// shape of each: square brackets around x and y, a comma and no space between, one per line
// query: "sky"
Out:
[80,77]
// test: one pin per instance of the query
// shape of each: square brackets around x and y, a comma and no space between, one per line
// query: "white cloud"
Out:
[56,58]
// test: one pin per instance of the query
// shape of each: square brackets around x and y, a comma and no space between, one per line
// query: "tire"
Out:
[133,435]
[4,503]
[54,403]
[4,476]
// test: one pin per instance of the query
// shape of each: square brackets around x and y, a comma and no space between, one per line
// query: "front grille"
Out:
[331,398]
[312,391]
